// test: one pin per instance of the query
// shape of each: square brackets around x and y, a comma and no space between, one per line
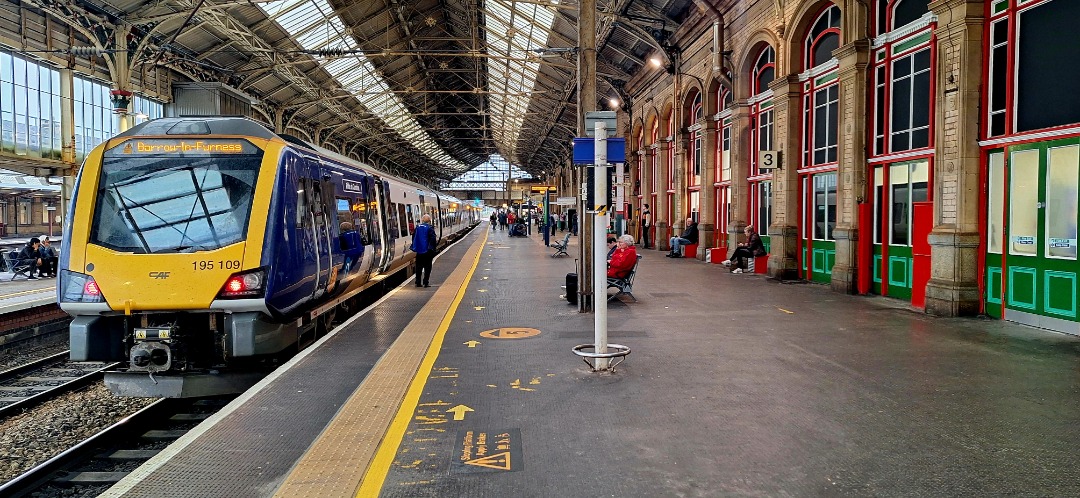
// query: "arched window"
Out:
[697,115]
[823,38]
[890,15]
[820,151]
[761,138]
[764,70]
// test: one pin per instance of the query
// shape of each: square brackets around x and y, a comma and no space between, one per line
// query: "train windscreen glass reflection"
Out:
[172,204]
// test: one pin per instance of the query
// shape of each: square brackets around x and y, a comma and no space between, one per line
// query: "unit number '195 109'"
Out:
[216,265]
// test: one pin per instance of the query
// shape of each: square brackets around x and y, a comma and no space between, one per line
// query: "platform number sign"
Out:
[768,160]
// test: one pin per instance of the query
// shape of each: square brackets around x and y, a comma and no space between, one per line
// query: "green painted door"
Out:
[818,246]
[1040,268]
[897,187]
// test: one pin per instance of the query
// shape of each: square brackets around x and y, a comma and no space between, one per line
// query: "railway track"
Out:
[92,466]
[33,383]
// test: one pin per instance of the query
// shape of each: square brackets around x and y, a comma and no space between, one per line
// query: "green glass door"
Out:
[818,245]
[1040,270]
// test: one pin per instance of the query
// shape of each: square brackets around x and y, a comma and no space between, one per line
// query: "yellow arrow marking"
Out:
[499,461]
[459,411]
[472,344]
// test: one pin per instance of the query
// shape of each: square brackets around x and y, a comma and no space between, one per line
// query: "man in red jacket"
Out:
[624,258]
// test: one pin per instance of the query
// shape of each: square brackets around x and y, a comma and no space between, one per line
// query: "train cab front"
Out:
[161,265]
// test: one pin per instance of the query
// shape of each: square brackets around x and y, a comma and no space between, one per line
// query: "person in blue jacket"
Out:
[424,245]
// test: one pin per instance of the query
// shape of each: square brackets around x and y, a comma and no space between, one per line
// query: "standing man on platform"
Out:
[423,243]
[646,224]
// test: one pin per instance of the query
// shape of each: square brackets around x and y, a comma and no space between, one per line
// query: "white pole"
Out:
[600,222]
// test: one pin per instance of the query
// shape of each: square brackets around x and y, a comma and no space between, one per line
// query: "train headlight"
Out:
[244,285]
[78,287]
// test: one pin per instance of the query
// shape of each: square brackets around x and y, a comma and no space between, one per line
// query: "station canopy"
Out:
[427,89]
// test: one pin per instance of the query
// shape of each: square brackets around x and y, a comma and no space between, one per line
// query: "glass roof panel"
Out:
[314,25]
[513,28]
[491,175]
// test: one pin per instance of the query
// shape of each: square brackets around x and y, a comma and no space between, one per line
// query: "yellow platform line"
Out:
[27,292]
[353,454]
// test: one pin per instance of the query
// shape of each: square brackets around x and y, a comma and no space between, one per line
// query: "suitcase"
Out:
[571,288]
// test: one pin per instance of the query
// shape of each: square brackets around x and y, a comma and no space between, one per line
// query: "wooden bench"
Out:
[624,285]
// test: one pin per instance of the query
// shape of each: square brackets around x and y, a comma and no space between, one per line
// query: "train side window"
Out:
[301,201]
[403,229]
[392,219]
[344,210]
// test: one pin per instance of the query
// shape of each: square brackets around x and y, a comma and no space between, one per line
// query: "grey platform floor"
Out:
[737,386]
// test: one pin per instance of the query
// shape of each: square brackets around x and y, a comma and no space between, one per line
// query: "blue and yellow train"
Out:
[195,246]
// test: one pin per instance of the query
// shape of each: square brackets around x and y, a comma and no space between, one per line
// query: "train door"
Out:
[386,234]
[318,226]
[1031,267]
[371,228]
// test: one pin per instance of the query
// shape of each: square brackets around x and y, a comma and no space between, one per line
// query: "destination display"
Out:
[160,147]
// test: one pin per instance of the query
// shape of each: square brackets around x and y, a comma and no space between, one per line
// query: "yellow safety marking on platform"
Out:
[355,451]
[786,311]
[459,411]
[500,461]
[472,344]
[23,293]
[478,308]
[509,333]
[375,476]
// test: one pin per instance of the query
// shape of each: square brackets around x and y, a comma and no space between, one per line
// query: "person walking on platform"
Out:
[502,220]
[424,244]
[494,219]
[646,224]
[689,236]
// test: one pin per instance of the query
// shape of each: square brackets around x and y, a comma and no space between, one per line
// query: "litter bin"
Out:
[571,288]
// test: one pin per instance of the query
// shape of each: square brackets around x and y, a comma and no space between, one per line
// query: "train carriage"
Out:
[196,246]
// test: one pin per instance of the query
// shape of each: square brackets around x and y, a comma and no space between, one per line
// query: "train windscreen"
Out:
[175,196]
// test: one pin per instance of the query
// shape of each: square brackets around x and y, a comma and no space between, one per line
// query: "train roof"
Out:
[201,125]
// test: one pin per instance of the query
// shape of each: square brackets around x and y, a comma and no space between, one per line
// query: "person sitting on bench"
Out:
[689,236]
[612,245]
[752,248]
[29,255]
[623,259]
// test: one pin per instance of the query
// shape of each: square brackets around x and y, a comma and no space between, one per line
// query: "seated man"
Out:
[689,236]
[623,259]
[750,249]
[612,245]
[29,254]
[48,258]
